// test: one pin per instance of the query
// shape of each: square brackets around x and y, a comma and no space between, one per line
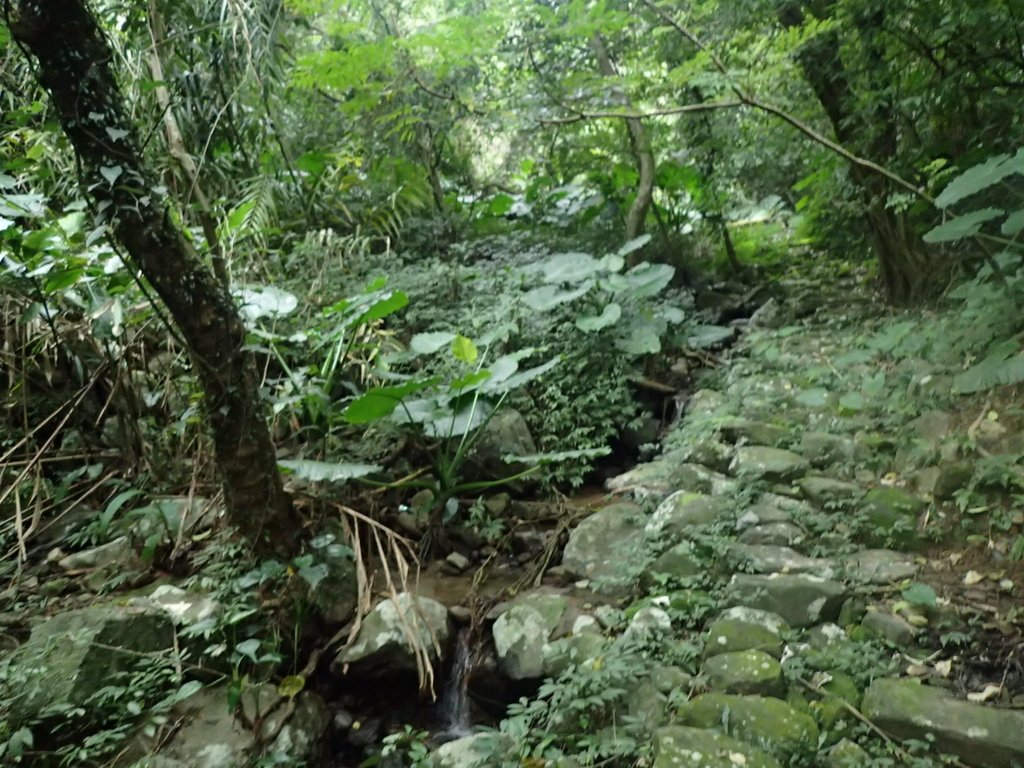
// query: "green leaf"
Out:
[111,173]
[998,369]
[429,343]
[852,402]
[1014,223]
[382,401]
[642,281]
[469,381]
[384,307]
[548,296]
[291,686]
[609,316]
[514,382]
[500,204]
[248,648]
[815,397]
[464,349]
[313,574]
[642,340]
[920,594]
[115,506]
[326,471]
[703,336]
[569,267]
[633,245]
[980,177]
[962,226]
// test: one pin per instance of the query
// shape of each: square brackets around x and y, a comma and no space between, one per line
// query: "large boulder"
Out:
[742,629]
[507,433]
[759,461]
[74,654]
[680,513]
[980,736]
[802,600]
[889,516]
[385,642]
[767,723]
[744,672]
[604,546]
[522,633]
[677,745]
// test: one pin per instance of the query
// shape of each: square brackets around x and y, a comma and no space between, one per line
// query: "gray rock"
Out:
[651,481]
[506,433]
[931,427]
[846,754]
[118,552]
[889,515]
[704,403]
[771,314]
[602,547]
[952,476]
[183,608]
[302,732]
[823,490]
[335,595]
[880,566]
[680,513]
[802,600]
[676,746]
[74,654]
[649,622]
[383,642]
[680,562]
[822,449]
[765,722]
[522,633]
[980,736]
[762,514]
[777,534]
[457,562]
[767,558]
[741,629]
[211,736]
[744,672]
[479,750]
[887,626]
[710,453]
[755,432]
[759,461]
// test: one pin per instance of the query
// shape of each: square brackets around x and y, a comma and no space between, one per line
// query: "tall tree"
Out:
[73,61]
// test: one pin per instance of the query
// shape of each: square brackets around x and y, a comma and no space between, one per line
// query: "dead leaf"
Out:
[990,692]
[973,577]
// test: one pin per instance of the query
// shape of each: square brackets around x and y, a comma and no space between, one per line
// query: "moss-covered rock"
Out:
[768,723]
[889,516]
[678,747]
[741,629]
[744,672]
[802,600]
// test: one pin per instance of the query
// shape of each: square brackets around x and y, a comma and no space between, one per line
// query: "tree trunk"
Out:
[903,260]
[640,144]
[74,67]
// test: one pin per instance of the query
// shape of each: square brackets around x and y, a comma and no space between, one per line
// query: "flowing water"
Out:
[453,708]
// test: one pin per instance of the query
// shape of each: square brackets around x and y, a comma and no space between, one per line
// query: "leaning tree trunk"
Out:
[640,143]
[902,257]
[74,67]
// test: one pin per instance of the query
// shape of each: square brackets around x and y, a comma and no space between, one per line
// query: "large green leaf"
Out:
[704,336]
[1014,223]
[980,177]
[609,316]
[633,245]
[384,307]
[642,281]
[382,401]
[569,267]
[464,349]
[962,226]
[517,380]
[326,471]
[548,296]
[429,343]
[1005,365]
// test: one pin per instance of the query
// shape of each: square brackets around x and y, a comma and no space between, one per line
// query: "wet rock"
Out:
[744,672]
[766,463]
[677,745]
[651,481]
[74,654]
[479,750]
[802,600]
[772,534]
[704,403]
[742,629]
[602,547]
[456,563]
[699,479]
[382,644]
[301,732]
[889,515]
[951,477]
[765,722]
[649,622]
[766,558]
[981,736]
[576,650]
[680,513]
[880,566]
[895,629]
[825,490]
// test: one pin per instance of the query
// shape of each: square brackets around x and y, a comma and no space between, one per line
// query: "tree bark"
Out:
[903,260]
[74,67]
[640,143]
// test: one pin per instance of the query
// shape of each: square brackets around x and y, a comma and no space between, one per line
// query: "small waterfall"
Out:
[453,707]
